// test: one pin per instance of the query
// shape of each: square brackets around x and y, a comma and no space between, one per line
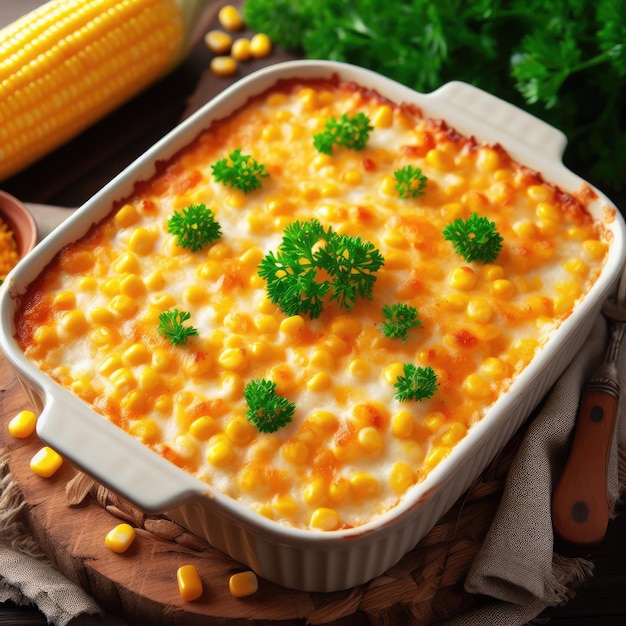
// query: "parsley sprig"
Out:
[194,226]
[417,383]
[313,263]
[239,171]
[475,239]
[410,181]
[398,320]
[347,132]
[171,326]
[267,410]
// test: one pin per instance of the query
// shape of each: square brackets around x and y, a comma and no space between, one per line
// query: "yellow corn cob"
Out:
[68,63]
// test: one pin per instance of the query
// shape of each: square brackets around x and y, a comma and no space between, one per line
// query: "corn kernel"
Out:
[240,50]
[124,305]
[359,368]
[488,160]
[64,300]
[495,368]
[479,310]
[594,248]
[370,440]
[456,302]
[285,505]
[23,424]
[189,583]
[230,18]
[204,427]
[136,354]
[296,452]
[120,538]
[439,159]
[540,193]
[320,381]
[126,216]
[453,434]
[525,229]
[324,519]
[402,477]
[402,425]
[338,489]
[220,453]
[243,584]
[218,42]
[577,267]
[109,365]
[232,359]
[382,117]
[240,431]
[324,421]
[548,212]
[503,289]
[364,485]
[433,421]
[476,386]
[351,177]
[141,242]
[223,66]
[46,462]
[103,336]
[392,371]
[315,491]
[463,278]
[292,325]
[123,379]
[126,264]
[145,429]
[46,336]
[260,45]
[436,455]
[74,322]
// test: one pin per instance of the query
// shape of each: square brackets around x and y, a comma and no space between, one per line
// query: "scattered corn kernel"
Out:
[260,45]
[120,538]
[241,49]
[324,519]
[230,18]
[223,65]
[189,582]
[243,584]
[218,42]
[46,462]
[23,424]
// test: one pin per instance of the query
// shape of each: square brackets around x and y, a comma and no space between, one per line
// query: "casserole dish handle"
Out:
[500,119]
[86,439]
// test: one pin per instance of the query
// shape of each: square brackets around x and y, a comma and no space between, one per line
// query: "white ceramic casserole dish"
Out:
[292,557]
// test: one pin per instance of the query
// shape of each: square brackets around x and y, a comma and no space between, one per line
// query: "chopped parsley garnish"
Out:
[267,410]
[194,227]
[398,320]
[410,181]
[475,239]
[313,263]
[416,384]
[347,132]
[239,171]
[171,326]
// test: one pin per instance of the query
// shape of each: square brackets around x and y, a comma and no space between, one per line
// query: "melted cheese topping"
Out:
[352,450]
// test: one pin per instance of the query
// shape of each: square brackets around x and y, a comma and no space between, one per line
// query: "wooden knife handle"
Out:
[580,506]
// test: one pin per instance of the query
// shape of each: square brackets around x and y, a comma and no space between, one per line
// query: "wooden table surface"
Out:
[74,172]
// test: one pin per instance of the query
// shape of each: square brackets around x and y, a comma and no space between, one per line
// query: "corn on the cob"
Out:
[68,63]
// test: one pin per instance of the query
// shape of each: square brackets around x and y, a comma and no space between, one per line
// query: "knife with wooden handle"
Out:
[580,502]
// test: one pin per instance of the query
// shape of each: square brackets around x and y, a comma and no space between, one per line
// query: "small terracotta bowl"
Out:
[20,221]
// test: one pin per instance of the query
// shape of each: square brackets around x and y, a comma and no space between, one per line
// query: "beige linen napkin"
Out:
[516,566]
